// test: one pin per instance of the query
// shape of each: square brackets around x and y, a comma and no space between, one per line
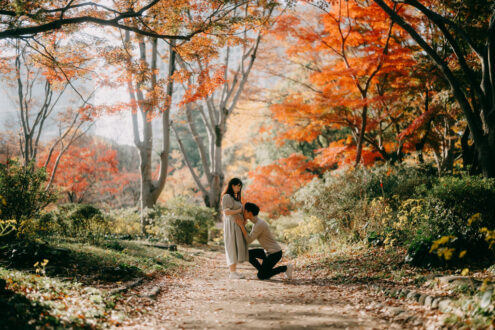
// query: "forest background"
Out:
[351,123]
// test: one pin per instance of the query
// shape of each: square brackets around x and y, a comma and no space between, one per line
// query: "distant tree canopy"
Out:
[24,19]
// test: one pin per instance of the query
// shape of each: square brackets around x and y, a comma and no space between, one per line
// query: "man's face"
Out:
[248,215]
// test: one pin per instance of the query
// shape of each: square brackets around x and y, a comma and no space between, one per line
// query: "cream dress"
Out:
[236,249]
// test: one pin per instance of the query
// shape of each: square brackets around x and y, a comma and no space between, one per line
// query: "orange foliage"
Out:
[272,185]
[205,85]
[87,170]
[355,64]
[417,123]
[338,153]
[358,61]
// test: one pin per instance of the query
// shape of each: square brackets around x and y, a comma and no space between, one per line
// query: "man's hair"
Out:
[253,208]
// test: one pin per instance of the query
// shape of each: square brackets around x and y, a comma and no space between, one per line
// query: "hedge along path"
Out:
[203,297]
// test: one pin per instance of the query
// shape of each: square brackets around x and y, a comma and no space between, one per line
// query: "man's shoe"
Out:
[235,276]
[288,272]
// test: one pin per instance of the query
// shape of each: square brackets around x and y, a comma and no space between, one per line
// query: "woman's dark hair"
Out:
[229,190]
[253,208]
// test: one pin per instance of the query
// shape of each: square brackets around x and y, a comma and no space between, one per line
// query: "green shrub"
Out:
[462,209]
[44,225]
[397,182]
[405,206]
[22,191]
[346,202]
[81,220]
[181,230]
[215,235]
[181,221]
[307,235]
[466,196]
[124,222]
[336,199]
[447,226]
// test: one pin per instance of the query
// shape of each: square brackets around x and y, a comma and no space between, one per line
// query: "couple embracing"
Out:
[237,239]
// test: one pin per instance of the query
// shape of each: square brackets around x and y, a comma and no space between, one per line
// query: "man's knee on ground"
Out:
[262,276]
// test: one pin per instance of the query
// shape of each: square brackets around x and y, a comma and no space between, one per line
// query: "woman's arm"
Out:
[232,212]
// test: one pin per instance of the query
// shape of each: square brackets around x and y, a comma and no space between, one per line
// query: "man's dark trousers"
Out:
[265,269]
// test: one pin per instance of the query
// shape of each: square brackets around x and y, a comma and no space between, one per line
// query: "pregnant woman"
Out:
[236,249]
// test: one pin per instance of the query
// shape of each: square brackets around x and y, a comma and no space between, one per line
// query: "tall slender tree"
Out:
[237,58]
[42,108]
[469,28]
[150,96]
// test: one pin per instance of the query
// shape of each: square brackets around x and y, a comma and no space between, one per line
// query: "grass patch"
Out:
[359,263]
[73,289]
[108,261]
[30,301]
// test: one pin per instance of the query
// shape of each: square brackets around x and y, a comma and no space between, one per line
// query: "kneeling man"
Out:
[262,233]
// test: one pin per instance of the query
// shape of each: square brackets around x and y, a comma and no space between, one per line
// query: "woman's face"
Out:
[236,188]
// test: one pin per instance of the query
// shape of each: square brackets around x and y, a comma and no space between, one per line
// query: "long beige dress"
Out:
[236,249]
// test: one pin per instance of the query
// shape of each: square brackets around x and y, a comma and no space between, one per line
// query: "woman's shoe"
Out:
[235,276]
[288,272]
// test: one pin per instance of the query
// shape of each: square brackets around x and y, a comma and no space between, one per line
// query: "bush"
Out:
[334,199]
[308,234]
[124,222]
[347,202]
[43,225]
[181,230]
[22,191]
[448,225]
[442,221]
[181,221]
[81,220]
[466,196]
[397,182]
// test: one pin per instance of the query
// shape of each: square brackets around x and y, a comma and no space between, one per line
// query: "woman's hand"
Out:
[233,212]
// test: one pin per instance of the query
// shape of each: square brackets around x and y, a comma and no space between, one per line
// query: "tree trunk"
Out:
[360,140]
[477,104]
[150,189]
[146,197]
[486,159]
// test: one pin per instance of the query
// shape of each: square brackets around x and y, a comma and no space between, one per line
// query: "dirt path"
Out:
[204,298]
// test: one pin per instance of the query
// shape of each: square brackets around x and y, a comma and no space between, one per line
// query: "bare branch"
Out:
[188,163]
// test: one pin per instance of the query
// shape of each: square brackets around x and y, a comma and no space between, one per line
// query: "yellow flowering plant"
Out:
[40,267]
[7,227]
[439,247]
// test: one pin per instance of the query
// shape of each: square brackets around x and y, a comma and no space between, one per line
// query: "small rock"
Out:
[395,311]
[404,317]
[451,278]
[486,299]
[412,295]
[416,321]
[428,301]
[422,299]
[444,305]
[118,290]
[434,303]
[153,293]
